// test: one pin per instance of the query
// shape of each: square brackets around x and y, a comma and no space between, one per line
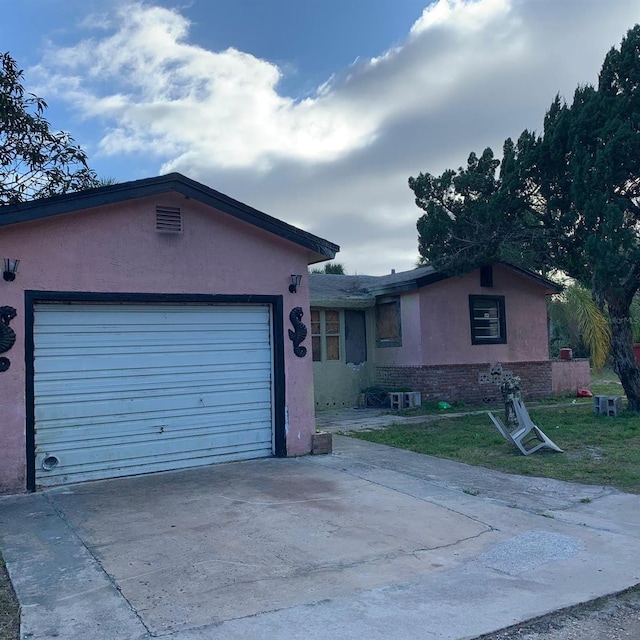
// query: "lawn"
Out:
[9,612]
[597,449]
[605,383]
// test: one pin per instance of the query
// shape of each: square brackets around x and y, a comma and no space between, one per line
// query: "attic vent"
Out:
[168,219]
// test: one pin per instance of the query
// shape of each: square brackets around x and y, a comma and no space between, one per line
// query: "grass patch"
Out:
[598,449]
[431,407]
[9,610]
[605,383]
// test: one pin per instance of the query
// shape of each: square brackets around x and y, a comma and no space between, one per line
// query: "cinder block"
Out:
[614,407]
[607,405]
[321,443]
[411,399]
[600,404]
[396,400]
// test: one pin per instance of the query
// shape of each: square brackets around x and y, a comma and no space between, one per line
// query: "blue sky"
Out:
[314,112]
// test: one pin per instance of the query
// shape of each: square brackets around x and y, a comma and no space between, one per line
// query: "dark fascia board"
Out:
[554,287]
[409,285]
[113,194]
[343,303]
[436,276]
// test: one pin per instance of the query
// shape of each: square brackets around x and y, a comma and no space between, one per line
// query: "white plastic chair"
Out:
[526,434]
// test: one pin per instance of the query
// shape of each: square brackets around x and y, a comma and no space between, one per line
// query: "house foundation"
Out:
[467,382]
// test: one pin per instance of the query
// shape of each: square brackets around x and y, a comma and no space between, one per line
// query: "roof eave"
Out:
[320,249]
[550,286]
[343,303]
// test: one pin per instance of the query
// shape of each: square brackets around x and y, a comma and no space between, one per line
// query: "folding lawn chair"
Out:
[526,434]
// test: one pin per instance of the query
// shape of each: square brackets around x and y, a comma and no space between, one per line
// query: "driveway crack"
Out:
[61,514]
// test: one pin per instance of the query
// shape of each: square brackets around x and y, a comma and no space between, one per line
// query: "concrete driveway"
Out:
[370,542]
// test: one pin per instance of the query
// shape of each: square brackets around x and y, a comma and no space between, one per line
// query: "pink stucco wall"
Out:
[567,376]
[117,249]
[436,327]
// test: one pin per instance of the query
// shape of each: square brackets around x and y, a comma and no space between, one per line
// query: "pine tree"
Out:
[567,199]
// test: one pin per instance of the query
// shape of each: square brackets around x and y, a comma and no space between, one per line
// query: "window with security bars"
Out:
[325,334]
[488,324]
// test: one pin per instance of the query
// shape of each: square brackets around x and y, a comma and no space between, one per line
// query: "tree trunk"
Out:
[624,360]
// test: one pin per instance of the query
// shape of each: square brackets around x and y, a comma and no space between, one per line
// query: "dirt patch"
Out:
[612,618]
[586,453]
[9,610]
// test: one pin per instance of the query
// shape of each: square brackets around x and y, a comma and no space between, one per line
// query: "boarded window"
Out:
[388,330]
[488,324]
[355,337]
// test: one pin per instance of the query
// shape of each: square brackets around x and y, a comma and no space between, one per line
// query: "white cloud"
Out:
[460,15]
[173,95]
[469,74]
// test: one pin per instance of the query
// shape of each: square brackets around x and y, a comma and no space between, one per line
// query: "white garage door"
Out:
[124,389]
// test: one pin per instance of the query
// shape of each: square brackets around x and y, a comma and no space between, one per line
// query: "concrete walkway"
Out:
[354,419]
[370,542]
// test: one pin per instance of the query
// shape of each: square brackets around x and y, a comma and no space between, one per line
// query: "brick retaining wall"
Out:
[460,381]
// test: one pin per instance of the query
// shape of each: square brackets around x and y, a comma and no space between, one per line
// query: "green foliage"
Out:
[563,329]
[106,181]
[469,220]
[635,319]
[568,199]
[335,268]
[35,162]
[577,320]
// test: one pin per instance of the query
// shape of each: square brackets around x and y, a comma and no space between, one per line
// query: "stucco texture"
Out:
[436,328]
[116,248]
[338,384]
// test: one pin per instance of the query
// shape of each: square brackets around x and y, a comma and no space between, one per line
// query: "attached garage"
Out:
[123,389]
[150,327]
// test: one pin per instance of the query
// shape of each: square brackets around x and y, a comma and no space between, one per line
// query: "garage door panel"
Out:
[171,315]
[161,404]
[167,379]
[150,464]
[114,390]
[78,436]
[126,387]
[144,342]
[56,362]
[203,394]
[162,446]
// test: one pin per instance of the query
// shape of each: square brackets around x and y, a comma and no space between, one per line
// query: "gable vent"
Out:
[168,219]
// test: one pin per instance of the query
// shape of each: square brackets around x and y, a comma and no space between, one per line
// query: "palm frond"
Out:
[594,325]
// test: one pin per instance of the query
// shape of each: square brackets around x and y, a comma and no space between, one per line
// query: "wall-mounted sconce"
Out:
[10,269]
[295,283]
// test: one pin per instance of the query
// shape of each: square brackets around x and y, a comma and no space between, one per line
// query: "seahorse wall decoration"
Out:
[7,334]
[300,332]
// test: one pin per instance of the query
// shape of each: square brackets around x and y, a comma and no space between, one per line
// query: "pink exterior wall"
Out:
[117,249]
[570,375]
[436,328]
